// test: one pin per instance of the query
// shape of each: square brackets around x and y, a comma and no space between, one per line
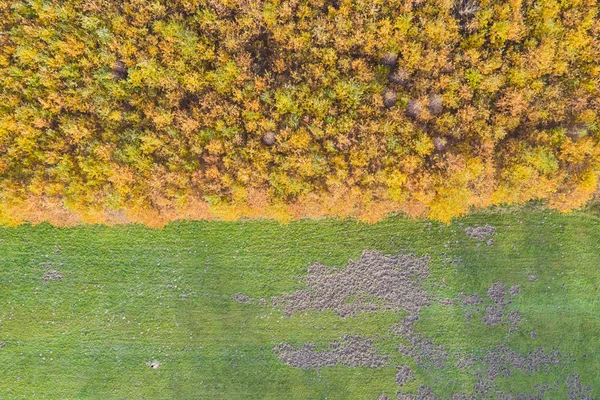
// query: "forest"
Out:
[151,111]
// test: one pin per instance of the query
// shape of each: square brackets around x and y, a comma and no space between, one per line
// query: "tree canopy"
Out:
[151,111]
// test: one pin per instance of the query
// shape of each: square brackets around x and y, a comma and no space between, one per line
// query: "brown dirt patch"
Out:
[425,352]
[352,352]
[480,232]
[406,327]
[576,390]
[515,290]
[497,293]
[241,298]
[493,315]
[501,361]
[514,317]
[374,282]
[404,374]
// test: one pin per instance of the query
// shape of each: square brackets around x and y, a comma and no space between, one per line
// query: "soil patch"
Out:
[406,327]
[374,282]
[576,390]
[497,293]
[514,317]
[241,298]
[493,315]
[425,352]
[515,290]
[501,361]
[404,374]
[480,232]
[352,352]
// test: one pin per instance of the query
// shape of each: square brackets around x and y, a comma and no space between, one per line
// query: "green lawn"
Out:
[130,295]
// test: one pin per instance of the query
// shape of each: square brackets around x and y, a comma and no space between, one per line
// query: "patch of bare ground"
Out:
[352,352]
[422,350]
[425,352]
[515,290]
[576,390]
[480,232]
[379,282]
[425,393]
[405,328]
[514,317]
[374,282]
[241,298]
[502,361]
[404,374]
[493,315]
[497,293]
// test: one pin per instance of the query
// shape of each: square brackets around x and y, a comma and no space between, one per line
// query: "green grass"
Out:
[89,335]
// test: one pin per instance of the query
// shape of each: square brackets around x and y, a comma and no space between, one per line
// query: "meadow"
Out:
[195,310]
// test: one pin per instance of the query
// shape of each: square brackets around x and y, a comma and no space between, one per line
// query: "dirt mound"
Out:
[404,374]
[480,232]
[497,293]
[374,282]
[514,317]
[501,361]
[406,327]
[515,290]
[576,390]
[241,298]
[53,275]
[425,352]
[352,352]
[493,315]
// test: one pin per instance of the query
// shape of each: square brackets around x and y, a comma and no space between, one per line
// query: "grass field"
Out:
[130,296]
